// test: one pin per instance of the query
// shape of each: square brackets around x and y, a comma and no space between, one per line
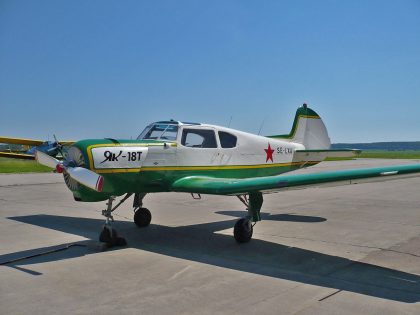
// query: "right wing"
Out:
[237,186]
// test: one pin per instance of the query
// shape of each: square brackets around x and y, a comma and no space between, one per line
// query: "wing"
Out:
[17,155]
[233,186]
[30,142]
[66,143]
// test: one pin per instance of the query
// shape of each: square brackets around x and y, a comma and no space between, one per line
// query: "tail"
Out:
[308,129]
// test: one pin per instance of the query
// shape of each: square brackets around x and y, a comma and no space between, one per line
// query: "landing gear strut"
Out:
[108,234]
[244,227]
[142,217]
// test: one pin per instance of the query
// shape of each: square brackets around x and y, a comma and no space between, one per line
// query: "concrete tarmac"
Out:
[351,249]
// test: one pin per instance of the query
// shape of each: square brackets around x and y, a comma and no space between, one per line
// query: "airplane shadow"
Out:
[202,243]
[277,217]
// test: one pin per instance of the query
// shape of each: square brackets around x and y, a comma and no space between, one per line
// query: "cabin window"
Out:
[160,132]
[227,140]
[198,138]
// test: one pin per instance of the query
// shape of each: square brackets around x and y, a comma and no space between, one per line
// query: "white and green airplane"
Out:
[205,159]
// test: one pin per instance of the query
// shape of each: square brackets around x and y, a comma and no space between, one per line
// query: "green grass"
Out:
[390,154]
[21,166]
[384,155]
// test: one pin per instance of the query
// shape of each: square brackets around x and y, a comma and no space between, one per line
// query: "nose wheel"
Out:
[110,237]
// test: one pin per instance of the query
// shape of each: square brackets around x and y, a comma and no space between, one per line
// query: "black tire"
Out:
[142,217]
[106,237]
[243,230]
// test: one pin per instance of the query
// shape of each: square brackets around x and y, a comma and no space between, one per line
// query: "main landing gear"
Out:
[242,231]
[142,218]
[243,228]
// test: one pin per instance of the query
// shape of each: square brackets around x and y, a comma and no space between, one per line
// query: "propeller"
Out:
[46,159]
[80,174]
[58,145]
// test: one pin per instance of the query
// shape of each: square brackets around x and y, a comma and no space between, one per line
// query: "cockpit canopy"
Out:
[195,136]
[162,130]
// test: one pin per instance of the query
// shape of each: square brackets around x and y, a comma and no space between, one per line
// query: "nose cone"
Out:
[75,157]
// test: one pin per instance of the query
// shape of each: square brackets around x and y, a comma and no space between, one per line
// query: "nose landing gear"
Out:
[109,235]
[142,218]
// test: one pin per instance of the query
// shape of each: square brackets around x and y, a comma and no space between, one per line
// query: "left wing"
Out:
[30,142]
[17,155]
[22,141]
[234,186]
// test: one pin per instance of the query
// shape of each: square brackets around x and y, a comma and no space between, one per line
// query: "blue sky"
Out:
[88,69]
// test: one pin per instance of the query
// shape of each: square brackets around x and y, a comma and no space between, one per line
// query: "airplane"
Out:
[173,156]
[52,148]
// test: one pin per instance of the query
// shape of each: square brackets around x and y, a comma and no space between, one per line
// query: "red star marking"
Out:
[269,152]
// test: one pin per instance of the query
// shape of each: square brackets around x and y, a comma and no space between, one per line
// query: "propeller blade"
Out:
[86,177]
[45,159]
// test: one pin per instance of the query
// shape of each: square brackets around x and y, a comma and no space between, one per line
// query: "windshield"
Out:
[159,132]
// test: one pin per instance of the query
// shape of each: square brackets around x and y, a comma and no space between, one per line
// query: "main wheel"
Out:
[243,230]
[142,217]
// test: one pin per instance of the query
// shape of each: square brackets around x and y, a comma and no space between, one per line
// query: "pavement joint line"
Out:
[42,253]
[371,285]
[330,295]
[340,243]
[379,221]
[23,185]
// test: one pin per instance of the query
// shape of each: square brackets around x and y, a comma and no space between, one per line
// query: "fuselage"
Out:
[167,151]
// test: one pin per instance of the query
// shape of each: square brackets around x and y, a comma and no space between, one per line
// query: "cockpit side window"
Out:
[198,138]
[159,132]
[227,140]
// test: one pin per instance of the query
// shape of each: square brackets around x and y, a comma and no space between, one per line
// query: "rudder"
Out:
[308,129]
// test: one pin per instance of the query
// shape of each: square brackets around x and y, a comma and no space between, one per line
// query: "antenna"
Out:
[230,120]
[262,124]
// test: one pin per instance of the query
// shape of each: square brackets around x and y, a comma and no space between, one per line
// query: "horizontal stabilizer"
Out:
[306,155]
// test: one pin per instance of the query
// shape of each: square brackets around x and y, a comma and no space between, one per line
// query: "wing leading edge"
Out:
[234,186]
[17,155]
[30,142]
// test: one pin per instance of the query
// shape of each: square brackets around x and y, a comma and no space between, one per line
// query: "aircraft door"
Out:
[198,147]
[228,143]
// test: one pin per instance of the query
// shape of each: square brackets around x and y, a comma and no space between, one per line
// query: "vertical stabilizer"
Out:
[308,129]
